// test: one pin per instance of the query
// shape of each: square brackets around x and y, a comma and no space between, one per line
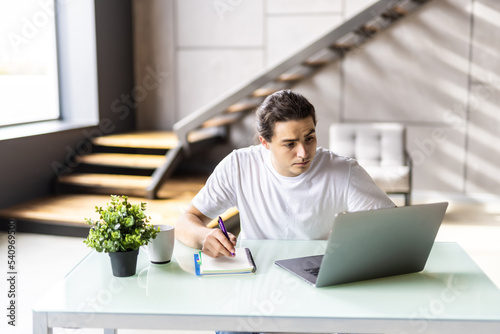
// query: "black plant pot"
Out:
[124,263]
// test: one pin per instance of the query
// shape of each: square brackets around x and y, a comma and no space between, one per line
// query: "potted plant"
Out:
[120,230]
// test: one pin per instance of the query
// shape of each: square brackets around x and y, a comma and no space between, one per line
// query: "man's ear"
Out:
[264,142]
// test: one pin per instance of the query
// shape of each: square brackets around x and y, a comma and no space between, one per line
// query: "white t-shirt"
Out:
[272,206]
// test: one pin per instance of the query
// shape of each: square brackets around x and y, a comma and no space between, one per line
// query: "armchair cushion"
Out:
[392,179]
[379,148]
[377,144]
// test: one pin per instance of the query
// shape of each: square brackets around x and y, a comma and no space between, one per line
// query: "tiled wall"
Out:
[437,71]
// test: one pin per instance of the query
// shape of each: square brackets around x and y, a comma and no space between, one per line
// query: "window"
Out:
[28,62]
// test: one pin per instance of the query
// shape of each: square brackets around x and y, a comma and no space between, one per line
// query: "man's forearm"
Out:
[191,231]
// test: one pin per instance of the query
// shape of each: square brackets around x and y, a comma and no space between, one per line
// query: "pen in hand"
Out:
[223,229]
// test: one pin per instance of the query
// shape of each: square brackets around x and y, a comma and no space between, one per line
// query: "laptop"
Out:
[372,244]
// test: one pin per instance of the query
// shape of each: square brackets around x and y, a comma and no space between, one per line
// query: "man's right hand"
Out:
[191,229]
[216,244]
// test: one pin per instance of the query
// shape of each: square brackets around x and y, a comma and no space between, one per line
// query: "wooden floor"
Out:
[69,210]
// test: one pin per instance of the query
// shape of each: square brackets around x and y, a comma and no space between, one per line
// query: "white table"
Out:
[452,295]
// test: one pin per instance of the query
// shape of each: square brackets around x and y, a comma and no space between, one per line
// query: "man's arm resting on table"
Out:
[191,230]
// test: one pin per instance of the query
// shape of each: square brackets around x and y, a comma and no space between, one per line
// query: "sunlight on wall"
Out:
[487,13]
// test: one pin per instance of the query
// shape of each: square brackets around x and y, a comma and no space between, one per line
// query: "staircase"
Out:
[138,163]
[132,163]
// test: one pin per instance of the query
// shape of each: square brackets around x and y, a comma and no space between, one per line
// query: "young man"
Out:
[284,188]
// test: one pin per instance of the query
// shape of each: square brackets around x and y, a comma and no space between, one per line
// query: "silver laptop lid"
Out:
[379,243]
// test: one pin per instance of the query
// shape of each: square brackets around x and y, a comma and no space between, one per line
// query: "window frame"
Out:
[75,26]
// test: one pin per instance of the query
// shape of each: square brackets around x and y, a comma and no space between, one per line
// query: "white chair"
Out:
[380,148]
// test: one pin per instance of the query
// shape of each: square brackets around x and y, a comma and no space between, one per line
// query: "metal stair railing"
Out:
[172,159]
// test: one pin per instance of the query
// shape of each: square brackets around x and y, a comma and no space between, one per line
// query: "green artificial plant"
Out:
[121,227]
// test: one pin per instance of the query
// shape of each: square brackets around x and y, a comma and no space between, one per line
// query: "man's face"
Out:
[293,146]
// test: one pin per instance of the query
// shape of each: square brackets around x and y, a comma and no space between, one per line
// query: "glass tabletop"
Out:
[450,287]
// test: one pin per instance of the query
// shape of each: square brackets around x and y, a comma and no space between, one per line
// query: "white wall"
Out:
[207,47]
[436,71]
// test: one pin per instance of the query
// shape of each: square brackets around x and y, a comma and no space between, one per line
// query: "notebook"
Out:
[241,263]
[372,244]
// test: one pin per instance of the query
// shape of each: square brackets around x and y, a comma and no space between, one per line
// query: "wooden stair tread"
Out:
[291,77]
[376,24]
[400,10]
[149,140]
[296,73]
[123,160]
[372,28]
[262,92]
[349,41]
[165,140]
[222,120]
[107,180]
[321,58]
[395,13]
[243,106]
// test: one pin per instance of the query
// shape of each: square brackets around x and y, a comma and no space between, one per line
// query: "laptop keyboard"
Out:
[312,271]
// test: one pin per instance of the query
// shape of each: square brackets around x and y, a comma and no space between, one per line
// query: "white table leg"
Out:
[40,324]
[110,331]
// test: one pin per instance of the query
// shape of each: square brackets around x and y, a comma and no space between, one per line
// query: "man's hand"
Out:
[216,244]
[192,230]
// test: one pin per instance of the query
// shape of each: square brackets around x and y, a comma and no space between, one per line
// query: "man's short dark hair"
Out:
[282,106]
